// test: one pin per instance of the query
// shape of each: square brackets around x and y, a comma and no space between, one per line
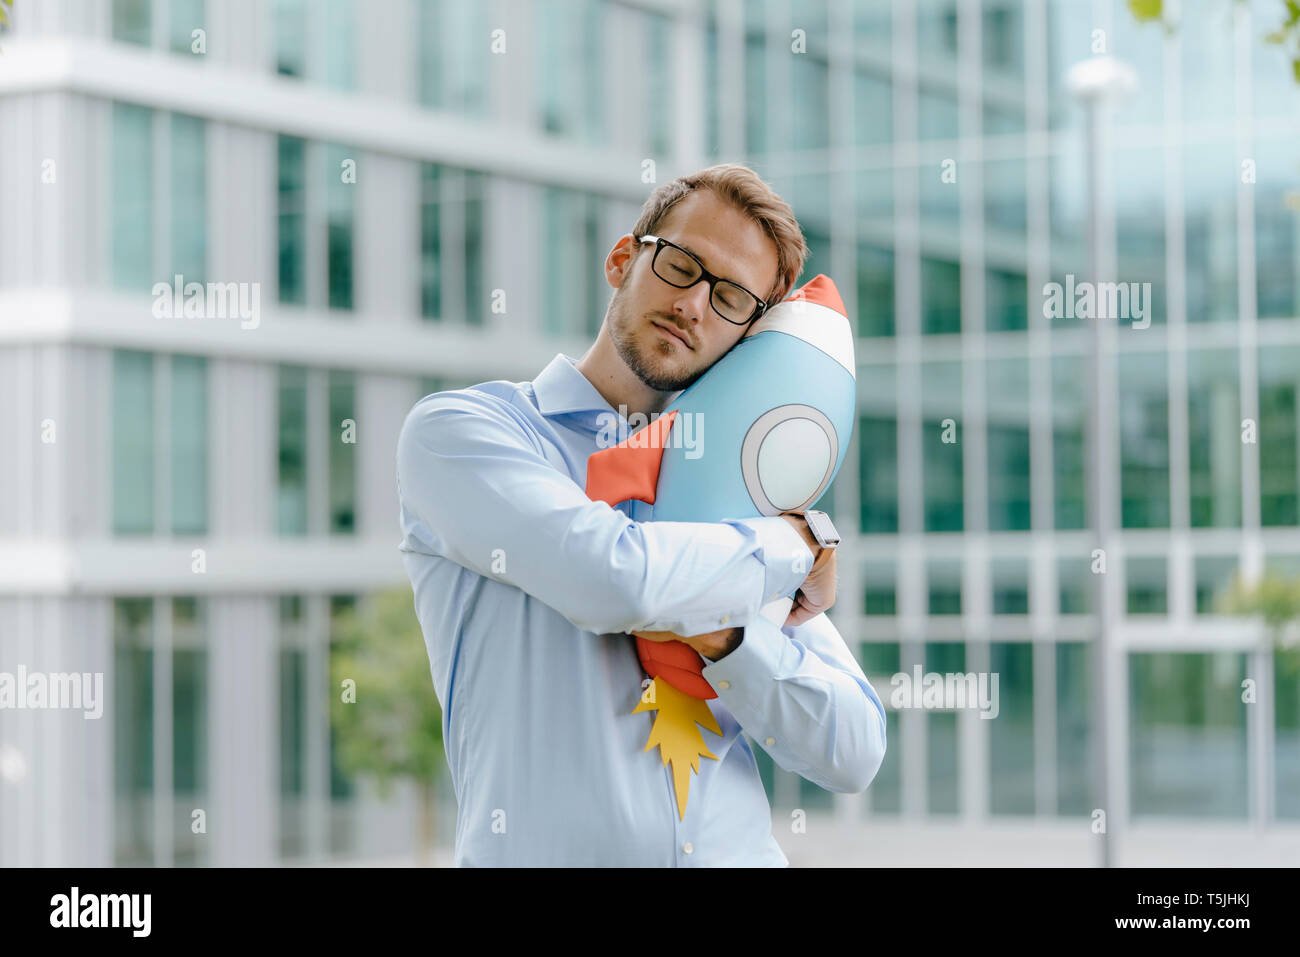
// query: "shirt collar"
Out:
[560,388]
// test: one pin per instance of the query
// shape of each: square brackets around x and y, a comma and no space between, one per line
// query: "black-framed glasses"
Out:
[679,268]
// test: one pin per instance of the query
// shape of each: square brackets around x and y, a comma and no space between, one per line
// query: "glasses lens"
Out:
[675,267]
[732,302]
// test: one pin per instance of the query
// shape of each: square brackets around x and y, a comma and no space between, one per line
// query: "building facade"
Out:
[408,195]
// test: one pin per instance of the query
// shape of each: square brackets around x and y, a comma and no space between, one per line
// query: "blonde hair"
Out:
[744,189]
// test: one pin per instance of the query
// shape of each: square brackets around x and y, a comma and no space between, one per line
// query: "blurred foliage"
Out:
[394,728]
[1275,598]
[1286,35]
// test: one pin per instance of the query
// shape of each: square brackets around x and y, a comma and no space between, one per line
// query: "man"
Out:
[527,590]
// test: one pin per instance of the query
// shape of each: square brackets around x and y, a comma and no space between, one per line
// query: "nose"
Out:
[693,303]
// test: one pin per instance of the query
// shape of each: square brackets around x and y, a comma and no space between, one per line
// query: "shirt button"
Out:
[769,741]
[724,619]
[724,685]
[688,848]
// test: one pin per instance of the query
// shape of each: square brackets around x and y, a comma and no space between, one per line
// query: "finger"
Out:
[657,635]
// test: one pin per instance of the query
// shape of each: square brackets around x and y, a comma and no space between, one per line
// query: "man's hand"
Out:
[714,645]
[817,593]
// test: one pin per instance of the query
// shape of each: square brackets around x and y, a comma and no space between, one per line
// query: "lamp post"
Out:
[1095,82]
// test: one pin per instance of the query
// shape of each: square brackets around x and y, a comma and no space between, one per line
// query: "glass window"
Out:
[342,826]
[1211,178]
[1140,223]
[291,507]
[291,38]
[342,456]
[810,80]
[873,109]
[1213,577]
[1144,440]
[941,450]
[1286,689]
[1074,580]
[1011,734]
[475,186]
[712,88]
[1005,198]
[940,297]
[1187,734]
[339,18]
[1277,227]
[293,728]
[879,596]
[183,18]
[659,85]
[871,27]
[575,288]
[1074,776]
[878,473]
[936,31]
[1279,433]
[132,762]
[133,442]
[1008,444]
[572,79]
[292,206]
[132,196]
[189,727]
[756,82]
[943,657]
[1148,586]
[939,177]
[1002,35]
[875,291]
[189,445]
[340,212]
[880,662]
[431,241]
[944,577]
[1069,441]
[132,22]
[189,197]
[1214,438]
[1005,300]
[1010,586]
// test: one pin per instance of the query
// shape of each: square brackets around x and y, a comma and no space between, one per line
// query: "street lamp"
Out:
[1095,83]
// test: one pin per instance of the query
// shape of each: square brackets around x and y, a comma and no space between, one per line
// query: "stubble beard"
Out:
[622,331]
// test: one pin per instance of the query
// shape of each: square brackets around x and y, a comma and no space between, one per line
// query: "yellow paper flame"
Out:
[675,731]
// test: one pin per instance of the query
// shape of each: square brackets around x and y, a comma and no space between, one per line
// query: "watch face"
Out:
[822,528]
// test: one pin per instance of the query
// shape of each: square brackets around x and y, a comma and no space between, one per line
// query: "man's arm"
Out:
[475,487]
[801,694]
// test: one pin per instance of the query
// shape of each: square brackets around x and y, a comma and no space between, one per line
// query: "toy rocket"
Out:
[770,423]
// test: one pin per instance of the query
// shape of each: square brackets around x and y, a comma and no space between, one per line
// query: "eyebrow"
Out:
[714,271]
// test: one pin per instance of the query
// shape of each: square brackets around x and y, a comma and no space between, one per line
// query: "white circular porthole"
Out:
[787,458]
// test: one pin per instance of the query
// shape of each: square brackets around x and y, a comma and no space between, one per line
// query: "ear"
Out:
[619,260]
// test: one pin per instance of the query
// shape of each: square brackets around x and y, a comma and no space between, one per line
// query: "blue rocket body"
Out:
[766,429]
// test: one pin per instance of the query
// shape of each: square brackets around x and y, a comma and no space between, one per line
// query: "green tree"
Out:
[1275,598]
[393,727]
[1286,35]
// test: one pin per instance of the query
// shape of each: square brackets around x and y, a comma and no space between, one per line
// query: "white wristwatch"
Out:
[822,528]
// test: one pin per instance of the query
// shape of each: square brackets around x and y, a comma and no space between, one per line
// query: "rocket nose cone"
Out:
[821,289]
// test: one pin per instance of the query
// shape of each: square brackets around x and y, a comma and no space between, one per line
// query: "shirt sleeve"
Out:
[476,487]
[801,695]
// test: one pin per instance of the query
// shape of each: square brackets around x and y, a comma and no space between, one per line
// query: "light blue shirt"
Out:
[526,589]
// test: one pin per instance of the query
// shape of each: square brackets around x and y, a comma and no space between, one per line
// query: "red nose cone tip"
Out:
[821,290]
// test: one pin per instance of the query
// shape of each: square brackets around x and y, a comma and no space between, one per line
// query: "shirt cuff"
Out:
[742,678]
[786,558]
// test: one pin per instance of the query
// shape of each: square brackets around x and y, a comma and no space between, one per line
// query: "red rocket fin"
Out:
[630,470]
